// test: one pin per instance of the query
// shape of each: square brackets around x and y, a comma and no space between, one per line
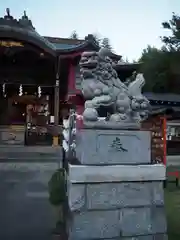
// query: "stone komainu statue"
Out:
[102,87]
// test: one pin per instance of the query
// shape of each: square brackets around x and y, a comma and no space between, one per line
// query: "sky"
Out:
[130,25]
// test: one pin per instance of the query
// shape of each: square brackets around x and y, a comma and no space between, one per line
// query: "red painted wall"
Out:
[71,78]
[72,91]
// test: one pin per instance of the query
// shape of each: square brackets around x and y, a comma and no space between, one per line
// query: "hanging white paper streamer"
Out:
[20,90]
[39,91]
[4,89]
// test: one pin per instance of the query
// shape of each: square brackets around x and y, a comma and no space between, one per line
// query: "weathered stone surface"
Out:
[76,196]
[157,193]
[145,237]
[138,202]
[148,221]
[95,225]
[113,147]
[136,221]
[159,224]
[116,173]
[118,195]
[148,237]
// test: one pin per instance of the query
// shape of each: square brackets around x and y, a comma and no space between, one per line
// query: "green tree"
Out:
[155,67]
[101,42]
[96,39]
[74,35]
[172,45]
[172,42]
[161,66]
[105,42]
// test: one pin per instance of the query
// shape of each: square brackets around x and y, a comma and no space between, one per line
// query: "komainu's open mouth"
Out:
[90,64]
[89,60]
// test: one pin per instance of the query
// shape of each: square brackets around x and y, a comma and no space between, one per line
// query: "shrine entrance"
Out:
[25,120]
[30,74]
[27,80]
[28,109]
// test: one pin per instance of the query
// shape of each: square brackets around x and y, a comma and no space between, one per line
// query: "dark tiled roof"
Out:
[65,43]
[157,110]
[68,41]
[68,44]
[61,46]
[163,96]
[23,29]
[126,67]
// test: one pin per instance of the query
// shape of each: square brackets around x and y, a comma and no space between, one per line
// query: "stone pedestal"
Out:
[108,147]
[116,193]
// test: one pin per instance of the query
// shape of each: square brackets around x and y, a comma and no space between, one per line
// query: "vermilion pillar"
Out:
[71,78]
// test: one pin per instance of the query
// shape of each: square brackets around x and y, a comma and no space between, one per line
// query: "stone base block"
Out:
[105,205]
[108,147]
[116,173]
[145,237]
[95,225]
[122,224]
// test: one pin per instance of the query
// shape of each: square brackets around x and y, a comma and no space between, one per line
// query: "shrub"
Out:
[57,187]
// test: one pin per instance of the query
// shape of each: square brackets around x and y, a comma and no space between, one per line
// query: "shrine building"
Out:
[40,77]
[38,74]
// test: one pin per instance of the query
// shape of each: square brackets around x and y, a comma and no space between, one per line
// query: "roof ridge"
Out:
[24,22]
[65,38]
